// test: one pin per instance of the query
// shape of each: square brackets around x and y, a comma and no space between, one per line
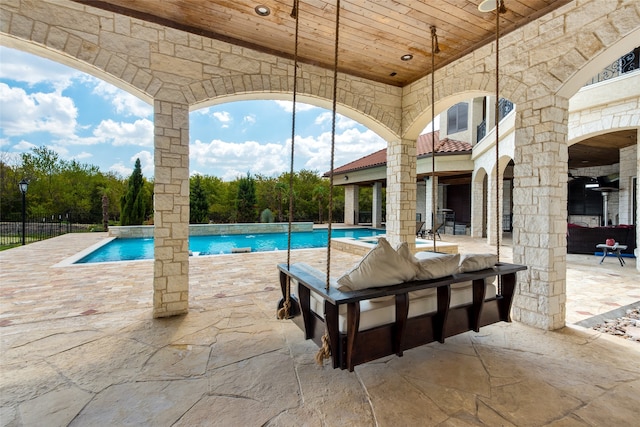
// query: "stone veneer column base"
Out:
[171,209]
[540,211]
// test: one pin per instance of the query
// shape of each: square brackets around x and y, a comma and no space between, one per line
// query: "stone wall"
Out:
[213,229]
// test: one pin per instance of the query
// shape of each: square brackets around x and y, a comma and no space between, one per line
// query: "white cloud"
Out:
[342,122]
[146,164]
[23,67]
[123,102]
[138,133]
[202,111]
[83,155]
[63,152]
[24,145]
[349,145]
[230,160]
[287,106]
[36,112]
[250,119]
[120,169]
[223,116]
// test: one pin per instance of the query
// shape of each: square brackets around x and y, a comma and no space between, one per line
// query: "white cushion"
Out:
[381,266]
[463,295]
[475,262]
[379,313]
[438,266]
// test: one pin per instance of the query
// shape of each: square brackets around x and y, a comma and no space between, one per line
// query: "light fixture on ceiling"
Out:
[262,10]
[490,5]
[294,10]
[406,57]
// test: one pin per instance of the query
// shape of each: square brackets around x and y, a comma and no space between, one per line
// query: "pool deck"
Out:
[79,347]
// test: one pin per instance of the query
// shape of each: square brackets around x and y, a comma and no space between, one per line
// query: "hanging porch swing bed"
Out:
[391,300]
[368,323]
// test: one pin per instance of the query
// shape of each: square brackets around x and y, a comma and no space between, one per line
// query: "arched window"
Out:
[457,118]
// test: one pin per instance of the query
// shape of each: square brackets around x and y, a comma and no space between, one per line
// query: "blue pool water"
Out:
[136,249]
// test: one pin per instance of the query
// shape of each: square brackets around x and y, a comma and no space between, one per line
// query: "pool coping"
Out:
[73,259]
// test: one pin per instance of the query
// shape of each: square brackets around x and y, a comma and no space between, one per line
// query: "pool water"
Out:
[137,249]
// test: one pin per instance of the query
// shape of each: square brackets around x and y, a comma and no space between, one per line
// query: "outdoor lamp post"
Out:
[23,185]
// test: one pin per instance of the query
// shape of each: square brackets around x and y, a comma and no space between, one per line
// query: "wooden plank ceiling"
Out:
[374,34]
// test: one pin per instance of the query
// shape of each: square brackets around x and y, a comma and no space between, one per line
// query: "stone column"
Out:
[429,207]
[351,204]
[171,207]
[477,205]
[540,211]
[376,209]
[637,196]
[492,237]
[401,192]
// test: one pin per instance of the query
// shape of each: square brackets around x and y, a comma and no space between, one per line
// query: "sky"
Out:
[80,117]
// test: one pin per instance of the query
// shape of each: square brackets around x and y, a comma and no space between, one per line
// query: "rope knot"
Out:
[325,350]
[284,312]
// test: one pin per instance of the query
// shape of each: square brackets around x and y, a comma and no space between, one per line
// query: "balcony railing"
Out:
[504,107]
[626,64]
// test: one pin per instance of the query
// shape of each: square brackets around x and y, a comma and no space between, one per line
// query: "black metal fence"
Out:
[37,228]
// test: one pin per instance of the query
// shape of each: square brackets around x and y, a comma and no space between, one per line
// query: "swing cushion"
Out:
[381,266]
[475,262]
[433,265]
[382,311]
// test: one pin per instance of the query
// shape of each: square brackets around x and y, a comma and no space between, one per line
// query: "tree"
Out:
[320,193]
[282,190]
[246,200]
[198,204]
[132,206]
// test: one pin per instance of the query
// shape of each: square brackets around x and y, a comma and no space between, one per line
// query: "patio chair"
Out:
[420,229]
[433,232]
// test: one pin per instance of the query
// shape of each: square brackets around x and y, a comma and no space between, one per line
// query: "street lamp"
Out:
[23,185]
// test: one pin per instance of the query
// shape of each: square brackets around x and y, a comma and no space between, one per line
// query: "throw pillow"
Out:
[381,266]
[475,262]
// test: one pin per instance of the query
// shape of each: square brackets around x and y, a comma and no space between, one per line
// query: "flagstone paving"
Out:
[79,347]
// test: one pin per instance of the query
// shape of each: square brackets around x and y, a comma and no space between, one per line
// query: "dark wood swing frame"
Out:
[355,347]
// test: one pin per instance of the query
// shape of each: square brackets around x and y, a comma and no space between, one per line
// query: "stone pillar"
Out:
[421,201]
[540,211]
[637,196]
[477,205]
[171,207]
[376,209]
[429,207]
[351,204]
[492,237]
[401,192]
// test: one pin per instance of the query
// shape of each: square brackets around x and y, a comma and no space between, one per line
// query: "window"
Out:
[457,117]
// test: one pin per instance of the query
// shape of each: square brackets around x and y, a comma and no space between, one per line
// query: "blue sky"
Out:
[43,103]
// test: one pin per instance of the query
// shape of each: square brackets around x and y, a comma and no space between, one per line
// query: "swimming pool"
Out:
[137,249]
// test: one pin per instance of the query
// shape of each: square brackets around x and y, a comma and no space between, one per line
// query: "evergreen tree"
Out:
[132,204]
[198,204]
[246,200]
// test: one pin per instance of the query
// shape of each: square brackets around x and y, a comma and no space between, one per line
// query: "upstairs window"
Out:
[457,118]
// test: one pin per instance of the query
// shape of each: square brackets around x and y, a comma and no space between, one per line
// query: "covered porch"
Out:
[97,361]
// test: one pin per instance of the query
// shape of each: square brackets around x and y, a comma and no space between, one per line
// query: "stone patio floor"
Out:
[79,347]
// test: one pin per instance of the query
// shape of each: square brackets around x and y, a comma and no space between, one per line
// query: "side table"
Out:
[615,249]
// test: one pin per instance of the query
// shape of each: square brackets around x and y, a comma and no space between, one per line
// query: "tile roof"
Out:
[424,149]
